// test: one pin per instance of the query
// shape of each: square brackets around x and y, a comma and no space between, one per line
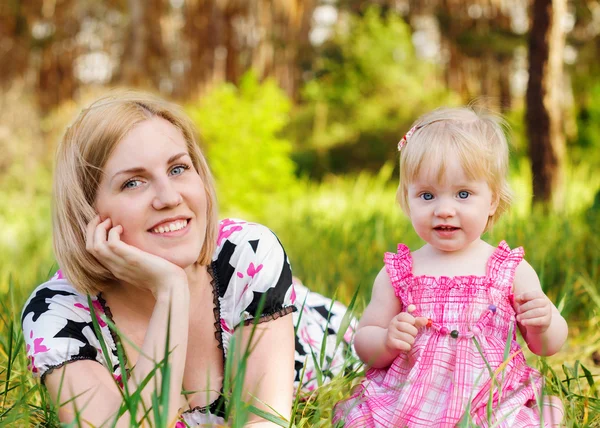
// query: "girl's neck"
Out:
[473,248]
[471,260]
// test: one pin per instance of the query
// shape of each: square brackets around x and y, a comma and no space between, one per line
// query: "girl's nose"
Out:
[167,196]
[445,209]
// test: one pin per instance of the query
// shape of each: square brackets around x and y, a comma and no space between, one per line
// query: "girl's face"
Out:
[150,187]
[452,212]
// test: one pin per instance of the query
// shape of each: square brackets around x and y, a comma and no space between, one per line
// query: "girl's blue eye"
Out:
[463,194]
[427,196]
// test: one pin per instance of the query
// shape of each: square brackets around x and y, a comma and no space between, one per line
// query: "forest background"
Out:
[300,104]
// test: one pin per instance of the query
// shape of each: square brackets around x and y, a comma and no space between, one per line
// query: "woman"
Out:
[135,229]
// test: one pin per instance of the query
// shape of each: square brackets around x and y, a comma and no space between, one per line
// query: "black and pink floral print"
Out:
[250,271]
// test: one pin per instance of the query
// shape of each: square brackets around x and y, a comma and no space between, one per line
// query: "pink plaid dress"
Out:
[445,378]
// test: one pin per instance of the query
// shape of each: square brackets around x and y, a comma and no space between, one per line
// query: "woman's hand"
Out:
[128,263]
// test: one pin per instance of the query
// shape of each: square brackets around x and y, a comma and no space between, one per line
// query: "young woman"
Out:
[136,232]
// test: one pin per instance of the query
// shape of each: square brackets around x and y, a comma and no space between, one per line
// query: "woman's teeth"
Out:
[171,227]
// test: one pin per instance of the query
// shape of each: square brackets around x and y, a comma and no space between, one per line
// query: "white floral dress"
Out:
[250,270]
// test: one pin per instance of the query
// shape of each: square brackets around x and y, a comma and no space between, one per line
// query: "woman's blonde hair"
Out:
[477,137]
[81,157]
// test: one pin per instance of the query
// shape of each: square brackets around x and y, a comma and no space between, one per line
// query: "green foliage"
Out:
[335,235]
[25,224]
[588,122]
[369,87]
[240,129]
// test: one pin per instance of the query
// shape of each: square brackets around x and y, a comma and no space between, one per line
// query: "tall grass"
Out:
[336,234]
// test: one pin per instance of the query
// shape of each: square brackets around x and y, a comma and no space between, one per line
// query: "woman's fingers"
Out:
[100,235]
[89,233]
[114,239]
[98,245]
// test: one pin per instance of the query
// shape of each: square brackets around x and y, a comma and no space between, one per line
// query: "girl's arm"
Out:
[541,324]
[383,331]
[269,379]
[88,388]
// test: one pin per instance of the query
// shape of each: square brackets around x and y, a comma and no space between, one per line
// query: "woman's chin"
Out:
[183,259]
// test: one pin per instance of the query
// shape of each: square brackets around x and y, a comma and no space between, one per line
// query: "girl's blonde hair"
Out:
[81,157]
[477,137]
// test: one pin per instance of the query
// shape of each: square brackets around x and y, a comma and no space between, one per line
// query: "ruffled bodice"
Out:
[469,304]
[465,359]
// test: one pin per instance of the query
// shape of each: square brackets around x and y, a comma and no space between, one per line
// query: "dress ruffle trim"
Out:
[502,264]
[50,368]
[271,316]
[398,267]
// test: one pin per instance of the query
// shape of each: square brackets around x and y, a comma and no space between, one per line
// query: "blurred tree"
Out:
[144,60]
[40,38]
[226,38]
[14,41]
[544,90]
[368,87]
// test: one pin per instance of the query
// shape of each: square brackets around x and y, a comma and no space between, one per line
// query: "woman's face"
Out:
[151,189]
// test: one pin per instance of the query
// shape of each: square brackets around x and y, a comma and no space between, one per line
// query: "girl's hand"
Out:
[402,330]
[128,263]
[534,311]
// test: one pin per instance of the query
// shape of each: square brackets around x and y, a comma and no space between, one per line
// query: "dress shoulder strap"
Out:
[398,267]
[503,263]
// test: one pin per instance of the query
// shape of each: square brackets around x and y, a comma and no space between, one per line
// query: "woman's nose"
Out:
[166,196]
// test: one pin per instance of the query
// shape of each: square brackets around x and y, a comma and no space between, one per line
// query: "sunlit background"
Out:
[299,105]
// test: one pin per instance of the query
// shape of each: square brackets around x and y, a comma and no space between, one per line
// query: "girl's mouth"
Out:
[446,228]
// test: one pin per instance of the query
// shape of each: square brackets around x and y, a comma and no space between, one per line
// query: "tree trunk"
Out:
[544,127]
[144,56]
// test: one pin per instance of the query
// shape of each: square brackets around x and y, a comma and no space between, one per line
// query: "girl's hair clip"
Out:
[409,134]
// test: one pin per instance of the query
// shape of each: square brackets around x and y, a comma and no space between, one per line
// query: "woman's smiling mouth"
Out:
[170,228]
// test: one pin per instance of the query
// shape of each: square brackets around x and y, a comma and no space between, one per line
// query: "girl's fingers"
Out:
[405,317]
[533,313]
[421,322]
[404,327]
[532,304]
[536,322]
[399,345]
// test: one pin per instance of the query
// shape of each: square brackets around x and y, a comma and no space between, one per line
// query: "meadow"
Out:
[336,233]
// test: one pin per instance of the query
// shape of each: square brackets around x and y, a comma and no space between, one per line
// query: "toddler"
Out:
[439,333]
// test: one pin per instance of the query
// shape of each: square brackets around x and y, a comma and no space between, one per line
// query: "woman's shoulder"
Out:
[58,327]
[253,274]
[237,230]
[56,296]
[247,236]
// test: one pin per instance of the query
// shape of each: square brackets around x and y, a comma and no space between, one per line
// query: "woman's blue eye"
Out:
[131,184]
[463,194]
[427,196]
[179,169]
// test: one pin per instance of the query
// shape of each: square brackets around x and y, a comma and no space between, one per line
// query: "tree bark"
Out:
[144,56]
[543,116]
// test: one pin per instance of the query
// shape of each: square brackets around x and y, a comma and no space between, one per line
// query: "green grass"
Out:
[335,236]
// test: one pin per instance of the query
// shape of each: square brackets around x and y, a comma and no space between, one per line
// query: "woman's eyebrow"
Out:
[138,169]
